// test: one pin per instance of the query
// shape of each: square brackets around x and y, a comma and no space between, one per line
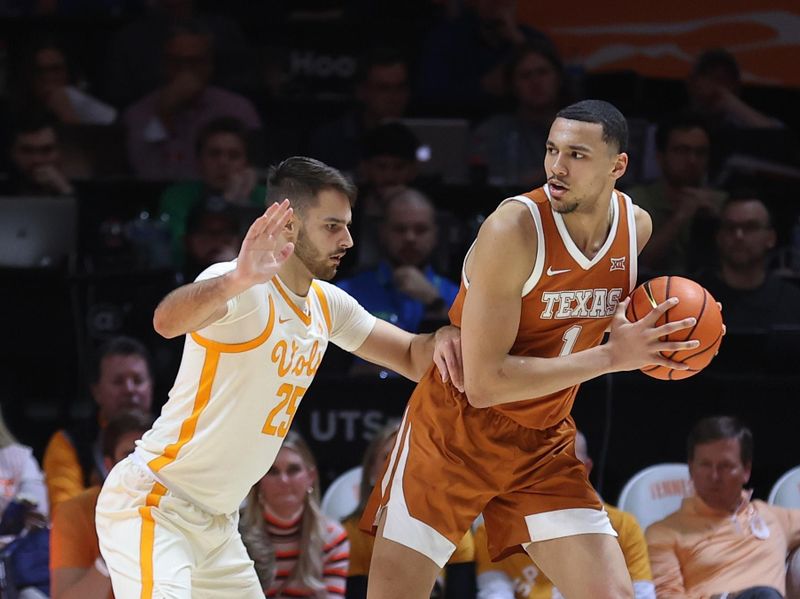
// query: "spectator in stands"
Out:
[226,177]
[23,521]
[721,543]
[517,577]
[388,163]
[459,572]
[212,235]
[21,480]
[35,158]
[681,199]
[714,86]
[382,92]
[47,87]
[78,569]
[403,288]
[163,126]
[135,52]
[463,58]
[297,550]
[511,146]
[121,380]
[753,298]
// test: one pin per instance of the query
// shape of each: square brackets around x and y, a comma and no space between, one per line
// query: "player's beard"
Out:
[318,265]
[565,207]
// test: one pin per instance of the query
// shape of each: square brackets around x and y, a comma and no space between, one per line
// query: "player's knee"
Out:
[393,562]
[398,572]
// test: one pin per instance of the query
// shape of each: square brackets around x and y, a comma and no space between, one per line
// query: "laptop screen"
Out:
[443,147]
[37,232]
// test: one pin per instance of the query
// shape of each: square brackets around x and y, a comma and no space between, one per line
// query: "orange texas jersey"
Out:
[239,385]
[568,300]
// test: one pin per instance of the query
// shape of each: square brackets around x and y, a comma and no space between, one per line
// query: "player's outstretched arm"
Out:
[500,263]
[196,305]
[411,355]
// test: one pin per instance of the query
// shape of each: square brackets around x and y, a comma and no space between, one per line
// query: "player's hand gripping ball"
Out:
[694,301]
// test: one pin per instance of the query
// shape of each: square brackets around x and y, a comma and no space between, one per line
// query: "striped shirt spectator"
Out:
[297,551]
[335,558]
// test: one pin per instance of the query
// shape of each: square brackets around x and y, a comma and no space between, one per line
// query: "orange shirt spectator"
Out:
[77,570]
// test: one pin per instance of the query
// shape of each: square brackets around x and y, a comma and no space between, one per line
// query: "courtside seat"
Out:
[341,498]
[793,575]
[655,492]
[786,492]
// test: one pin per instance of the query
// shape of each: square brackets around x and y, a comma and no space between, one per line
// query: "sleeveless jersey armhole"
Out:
[634,242]
[538,265]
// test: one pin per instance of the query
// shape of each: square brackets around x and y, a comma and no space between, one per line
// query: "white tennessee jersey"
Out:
[240,382]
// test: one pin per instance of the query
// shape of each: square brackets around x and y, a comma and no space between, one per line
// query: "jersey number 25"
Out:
[280,417]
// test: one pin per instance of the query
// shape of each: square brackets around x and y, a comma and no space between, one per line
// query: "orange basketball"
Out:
[694,301]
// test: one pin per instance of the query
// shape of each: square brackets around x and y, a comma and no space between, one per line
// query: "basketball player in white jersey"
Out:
[256,330]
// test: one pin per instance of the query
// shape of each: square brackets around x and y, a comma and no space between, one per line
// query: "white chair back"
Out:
[793,575]
[341,498]
[786,492]
[655,492]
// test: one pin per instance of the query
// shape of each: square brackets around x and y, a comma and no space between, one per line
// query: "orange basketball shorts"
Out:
[452,462]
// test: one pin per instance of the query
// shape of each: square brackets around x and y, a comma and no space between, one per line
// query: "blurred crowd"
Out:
[137,137]
[305,545]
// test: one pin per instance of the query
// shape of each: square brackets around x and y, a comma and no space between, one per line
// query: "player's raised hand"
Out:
[263,250]
[634,345]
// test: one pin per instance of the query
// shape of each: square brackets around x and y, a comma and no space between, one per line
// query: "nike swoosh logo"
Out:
[551,272]
[282,320]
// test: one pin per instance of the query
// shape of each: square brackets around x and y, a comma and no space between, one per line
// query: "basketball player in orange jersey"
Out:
[256,330]
[548,274]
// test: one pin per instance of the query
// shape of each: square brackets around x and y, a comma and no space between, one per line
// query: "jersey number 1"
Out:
[570,337]
[284,411]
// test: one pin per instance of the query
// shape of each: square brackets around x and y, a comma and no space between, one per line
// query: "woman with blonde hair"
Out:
[459,573]
[21,478]
[23,519]
[298,551]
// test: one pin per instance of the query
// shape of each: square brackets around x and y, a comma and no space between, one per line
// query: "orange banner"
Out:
[662,39]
